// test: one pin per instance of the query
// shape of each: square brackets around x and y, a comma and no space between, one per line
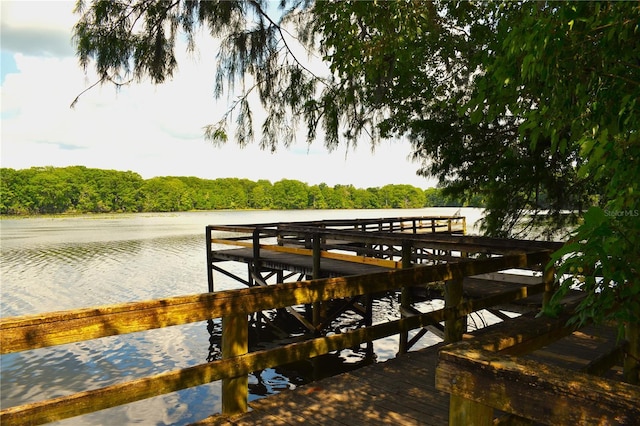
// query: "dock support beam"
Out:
[256,250]
[235,341]
[632,359]
[207,233]
[550,286]
[462,410]
[405,295]
[453,328]
[316,317]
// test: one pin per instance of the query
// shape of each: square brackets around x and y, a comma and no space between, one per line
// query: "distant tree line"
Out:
[78,189]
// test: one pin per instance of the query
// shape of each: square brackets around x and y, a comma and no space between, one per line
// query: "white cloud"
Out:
[152,130]
[37,27]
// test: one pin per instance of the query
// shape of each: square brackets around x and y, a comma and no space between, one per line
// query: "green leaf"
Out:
[595,216]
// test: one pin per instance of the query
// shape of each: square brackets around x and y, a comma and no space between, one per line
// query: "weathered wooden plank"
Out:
[592,349]
[292,405]
[347,400]
[536,391]
[301,410]
[290,416]
[466,412]
[337,223]
[455,327]
[363,407]
[521,335]
[446,241]
[604,362]
[298,263]
[35,331]
[474,288]
[417,399]
[415,389]
[375,394]
[235,342]
[385,263]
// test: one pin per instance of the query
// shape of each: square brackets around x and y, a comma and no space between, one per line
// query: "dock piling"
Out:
[235,341]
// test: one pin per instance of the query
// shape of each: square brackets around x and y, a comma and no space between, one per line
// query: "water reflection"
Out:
[283,329]
[66,276]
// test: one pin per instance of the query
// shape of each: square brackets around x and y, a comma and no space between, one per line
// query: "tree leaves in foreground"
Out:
[531,105]
[583,62]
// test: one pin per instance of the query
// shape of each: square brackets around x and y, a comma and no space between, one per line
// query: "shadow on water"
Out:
[288,376]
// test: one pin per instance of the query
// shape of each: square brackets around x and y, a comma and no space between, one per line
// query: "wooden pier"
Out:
[510,370]
[400,391]
[345,247]
[279,252]
[404,390]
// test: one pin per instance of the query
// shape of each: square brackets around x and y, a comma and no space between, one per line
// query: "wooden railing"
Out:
[412,224]
[487,374]
[302,235]
[356,241]
[234,307]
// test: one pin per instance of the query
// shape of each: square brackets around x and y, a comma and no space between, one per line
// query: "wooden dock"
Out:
[275,253]
[513,368]
[342,247]
[402,391]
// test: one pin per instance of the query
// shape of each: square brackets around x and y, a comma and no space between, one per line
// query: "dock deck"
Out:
[400,391]
[297,263]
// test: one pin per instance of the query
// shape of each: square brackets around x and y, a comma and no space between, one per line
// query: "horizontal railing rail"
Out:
[388,224]
[439,241]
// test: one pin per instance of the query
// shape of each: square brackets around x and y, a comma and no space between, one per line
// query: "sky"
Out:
[154,130]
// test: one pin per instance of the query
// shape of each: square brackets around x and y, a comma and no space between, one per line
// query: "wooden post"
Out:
[405,295]
[235,341]
[207,233]
[631,369]
[453,328]
[465,412]
[316,275]
[256,250]
[549,278]
[368,321]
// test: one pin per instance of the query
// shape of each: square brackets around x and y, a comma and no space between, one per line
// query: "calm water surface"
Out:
[51,264]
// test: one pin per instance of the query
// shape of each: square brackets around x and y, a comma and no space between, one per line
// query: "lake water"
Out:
[51,264]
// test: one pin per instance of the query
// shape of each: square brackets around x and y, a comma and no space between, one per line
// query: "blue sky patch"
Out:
[63,146]
[8,65]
